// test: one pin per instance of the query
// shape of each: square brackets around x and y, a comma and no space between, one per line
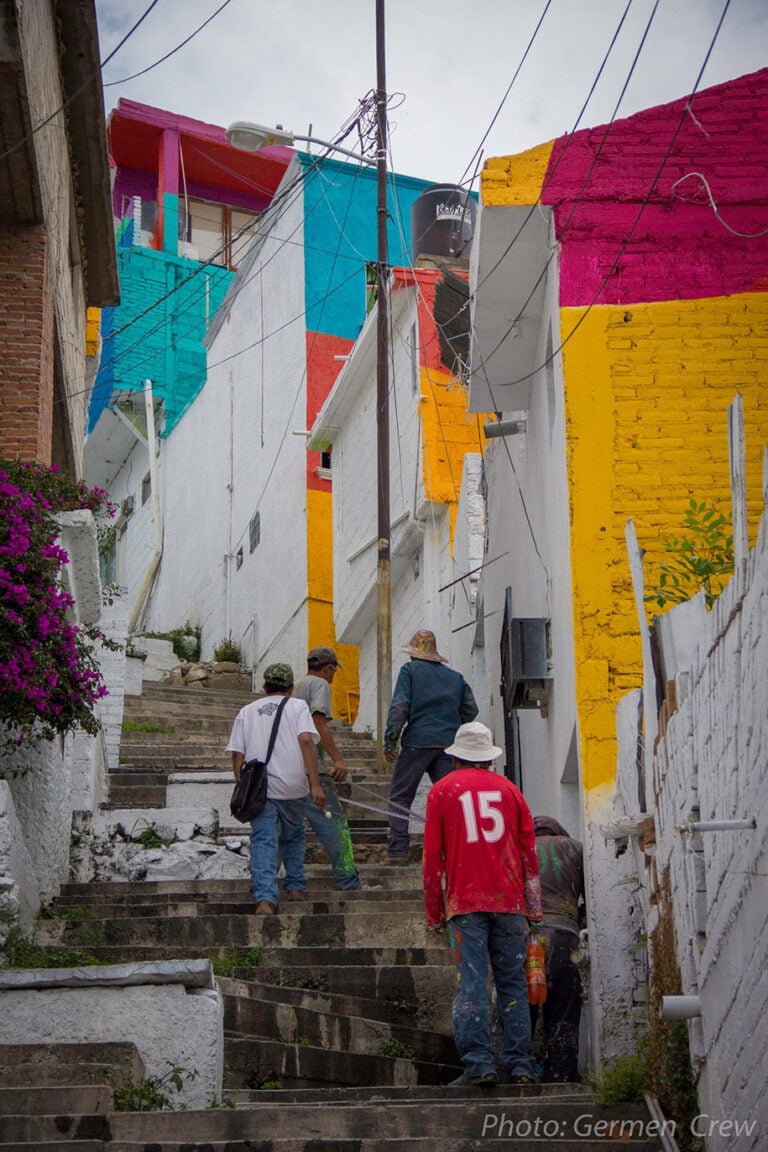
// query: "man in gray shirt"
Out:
[331,830]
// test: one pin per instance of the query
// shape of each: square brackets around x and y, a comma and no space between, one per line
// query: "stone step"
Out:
[466,1118]
[49,1100]
[34,1131]
[388,876]
[247,1016]
[336,903]
[411,1094]
[364,929]
[55,1146]
[251,1063]
[381,1144]
[117,896]
[113,1063]
[403,1009]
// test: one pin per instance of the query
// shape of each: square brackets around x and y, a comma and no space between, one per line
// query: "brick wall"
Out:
[26,344]
[714,755]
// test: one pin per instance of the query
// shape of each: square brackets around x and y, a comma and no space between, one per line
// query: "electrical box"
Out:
[527,669]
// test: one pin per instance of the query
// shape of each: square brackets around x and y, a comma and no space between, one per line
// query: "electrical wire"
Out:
[713,205]
[515,75]
[625,244]
[183,44]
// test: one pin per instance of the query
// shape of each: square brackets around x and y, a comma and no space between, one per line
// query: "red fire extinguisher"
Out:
[535,971]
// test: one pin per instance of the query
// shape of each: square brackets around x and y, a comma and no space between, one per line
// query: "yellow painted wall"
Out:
[647,389]
[92,329]
[512,180]
[449,431]
[320,626]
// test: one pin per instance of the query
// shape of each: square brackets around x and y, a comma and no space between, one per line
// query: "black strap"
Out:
[275,726]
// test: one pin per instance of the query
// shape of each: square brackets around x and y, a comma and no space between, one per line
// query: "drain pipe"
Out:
[139,608]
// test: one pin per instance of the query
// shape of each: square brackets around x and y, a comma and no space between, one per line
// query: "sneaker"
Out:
[294,894]
[523,1080]
[265,908]
[466,1080]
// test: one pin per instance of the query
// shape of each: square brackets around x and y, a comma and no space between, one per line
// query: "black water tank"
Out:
[443,222]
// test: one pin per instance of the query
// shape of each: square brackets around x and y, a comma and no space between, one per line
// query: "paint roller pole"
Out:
[383,586]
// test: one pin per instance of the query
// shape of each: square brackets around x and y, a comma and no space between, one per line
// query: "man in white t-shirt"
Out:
[333,833]
[279,827]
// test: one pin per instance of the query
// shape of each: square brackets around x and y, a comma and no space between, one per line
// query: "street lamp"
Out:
[250,138]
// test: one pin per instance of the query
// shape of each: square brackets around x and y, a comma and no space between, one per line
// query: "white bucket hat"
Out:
[474,742]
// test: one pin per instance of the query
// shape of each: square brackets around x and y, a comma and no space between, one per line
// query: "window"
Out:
[239,559]
[146,488]
[414,361]
[108,558]
[325,460]
[216,232]
[254,531]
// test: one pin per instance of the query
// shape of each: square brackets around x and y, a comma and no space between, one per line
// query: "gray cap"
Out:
[322,656]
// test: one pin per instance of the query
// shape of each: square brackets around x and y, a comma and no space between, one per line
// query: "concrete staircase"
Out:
[337,1012]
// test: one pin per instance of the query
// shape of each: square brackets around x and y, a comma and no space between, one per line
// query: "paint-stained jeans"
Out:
[501,937]
[279,827]
[410,766]
[334,835]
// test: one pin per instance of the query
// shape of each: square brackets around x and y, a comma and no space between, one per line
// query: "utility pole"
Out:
[383,568]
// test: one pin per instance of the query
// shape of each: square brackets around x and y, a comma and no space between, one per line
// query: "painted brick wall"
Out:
[647,391]
[26,344]
[713,753]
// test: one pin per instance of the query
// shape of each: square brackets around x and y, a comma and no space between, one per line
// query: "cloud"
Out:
[308,62]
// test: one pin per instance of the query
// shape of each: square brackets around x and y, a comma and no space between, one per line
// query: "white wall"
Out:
[714,755]
[232,454]
[528,549]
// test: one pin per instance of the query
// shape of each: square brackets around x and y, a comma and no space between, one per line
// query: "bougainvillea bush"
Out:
[49,678]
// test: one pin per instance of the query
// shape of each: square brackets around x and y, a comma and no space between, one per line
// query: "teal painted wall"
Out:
[340,235]
[162,341]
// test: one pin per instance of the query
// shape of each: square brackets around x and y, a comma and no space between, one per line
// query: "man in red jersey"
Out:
[479,836]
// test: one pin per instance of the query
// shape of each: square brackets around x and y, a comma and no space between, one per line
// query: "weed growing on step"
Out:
[269,1084]
[146,726]
[228,652]
[396,1050]
[623,1080]
[154,1093]
[149,836]
[235,956]
[21,952]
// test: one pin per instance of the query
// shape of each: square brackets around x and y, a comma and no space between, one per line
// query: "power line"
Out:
[183,44]
[82,87]
[627,239]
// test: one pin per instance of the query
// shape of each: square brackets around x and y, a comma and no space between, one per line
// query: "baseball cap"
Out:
[323,656]
[279,675]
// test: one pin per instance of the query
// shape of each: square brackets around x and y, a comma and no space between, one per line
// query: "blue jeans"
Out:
[334,835]
[411,765]
[503,937]
[279,827]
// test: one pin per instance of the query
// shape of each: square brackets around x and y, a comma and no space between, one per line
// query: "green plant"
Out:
[153,1093]
[49,673]
[271,1084]
[304,1042]
[146,726]
[149,837]
[235,956]
[624,1079]
[702,558]
[397,1050]
[21,952]
[227,652]
[185,641]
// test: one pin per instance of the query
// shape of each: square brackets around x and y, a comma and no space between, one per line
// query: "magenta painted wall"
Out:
[598,179]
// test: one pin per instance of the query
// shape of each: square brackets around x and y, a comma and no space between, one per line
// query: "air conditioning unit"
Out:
[126,508]
[527,668]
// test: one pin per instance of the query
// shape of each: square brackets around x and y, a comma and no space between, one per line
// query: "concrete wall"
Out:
[711,765]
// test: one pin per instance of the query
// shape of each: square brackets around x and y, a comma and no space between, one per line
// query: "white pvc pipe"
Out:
[680,1007]
[721,825]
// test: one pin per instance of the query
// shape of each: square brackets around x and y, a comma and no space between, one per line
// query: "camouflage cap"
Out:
[279,676]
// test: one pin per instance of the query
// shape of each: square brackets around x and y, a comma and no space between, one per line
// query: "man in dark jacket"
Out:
[561,872]
[429,704]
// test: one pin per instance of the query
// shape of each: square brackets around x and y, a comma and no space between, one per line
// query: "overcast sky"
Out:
[305,63]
